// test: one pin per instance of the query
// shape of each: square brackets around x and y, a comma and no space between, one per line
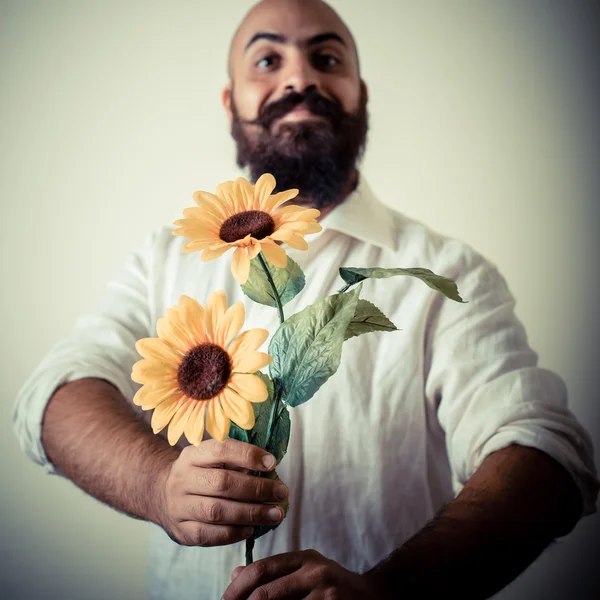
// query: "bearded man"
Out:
[439,461]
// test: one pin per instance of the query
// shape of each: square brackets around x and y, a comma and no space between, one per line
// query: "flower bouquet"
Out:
[201,373]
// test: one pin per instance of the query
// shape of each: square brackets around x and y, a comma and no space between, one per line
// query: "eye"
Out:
[325,62]
[267,62]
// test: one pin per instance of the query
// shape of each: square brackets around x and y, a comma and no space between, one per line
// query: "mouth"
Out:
[300,112]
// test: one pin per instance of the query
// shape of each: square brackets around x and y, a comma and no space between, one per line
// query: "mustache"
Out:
[317,104]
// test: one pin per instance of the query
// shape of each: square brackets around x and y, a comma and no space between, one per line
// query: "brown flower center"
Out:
[204,372]
[257,223]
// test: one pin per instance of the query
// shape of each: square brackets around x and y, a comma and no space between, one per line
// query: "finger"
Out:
[225,483]
[288,587]
[263,572]
[202,534]
[230,454]
[236,572]
[218,511]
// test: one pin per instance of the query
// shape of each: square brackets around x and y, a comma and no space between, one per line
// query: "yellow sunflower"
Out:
[249,218]
[198,371]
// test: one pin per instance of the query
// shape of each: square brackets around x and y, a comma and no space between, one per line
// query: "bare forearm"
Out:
[92,434]
[509,511]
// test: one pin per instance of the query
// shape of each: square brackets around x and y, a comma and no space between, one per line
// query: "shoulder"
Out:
[435,250]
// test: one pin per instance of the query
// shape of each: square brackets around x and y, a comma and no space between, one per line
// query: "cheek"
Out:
[348,93]
[248,98]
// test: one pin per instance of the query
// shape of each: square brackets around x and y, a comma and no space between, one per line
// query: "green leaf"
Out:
[446,286]
[307,347]
[368,317]
[289,282]
[285,504]
[237,433]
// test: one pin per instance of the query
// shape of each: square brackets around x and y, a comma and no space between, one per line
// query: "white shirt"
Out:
[392,436]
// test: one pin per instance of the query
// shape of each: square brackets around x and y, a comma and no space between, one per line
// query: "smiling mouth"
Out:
[300,111]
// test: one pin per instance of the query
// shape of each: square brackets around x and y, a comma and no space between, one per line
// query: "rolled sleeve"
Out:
[488,388]
[101,345]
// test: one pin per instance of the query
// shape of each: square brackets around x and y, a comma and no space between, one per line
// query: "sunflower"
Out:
[195,371]
[249,218]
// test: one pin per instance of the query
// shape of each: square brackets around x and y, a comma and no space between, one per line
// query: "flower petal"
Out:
[217,424]
[237,409]
[209,254]
[240,265]
[297,212]
[148,371]
[276,200]
[194,428]
[164,412]
[244,192]
[263,189]
[157,349]
[254,248]
[231,323]
[302,227]
[292,239]
[192,317]
[165,332]
[179,421]
[250,362]
[216,305]
[201,218]
[227,192]
[196,245]
[250,387]
[274,253]
[150,396]
[249,341]
[178,328]
[211,203]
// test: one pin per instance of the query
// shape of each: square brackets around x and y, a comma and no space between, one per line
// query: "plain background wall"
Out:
[483,125]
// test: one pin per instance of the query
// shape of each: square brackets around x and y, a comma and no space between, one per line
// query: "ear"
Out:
[364,90]
[226,101]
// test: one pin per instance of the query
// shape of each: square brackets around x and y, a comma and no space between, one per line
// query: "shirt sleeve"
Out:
[101,345]
[486,383]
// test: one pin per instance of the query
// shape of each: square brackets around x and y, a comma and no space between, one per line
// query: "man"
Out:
[438,459]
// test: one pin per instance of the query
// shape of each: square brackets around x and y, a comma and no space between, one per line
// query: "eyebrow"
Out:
[281,39]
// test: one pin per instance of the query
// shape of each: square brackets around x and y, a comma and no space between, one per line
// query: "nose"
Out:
[299,75]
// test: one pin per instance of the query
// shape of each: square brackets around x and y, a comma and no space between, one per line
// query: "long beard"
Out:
[317,157]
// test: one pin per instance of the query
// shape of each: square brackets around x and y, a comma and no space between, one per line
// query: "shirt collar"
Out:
[362,216]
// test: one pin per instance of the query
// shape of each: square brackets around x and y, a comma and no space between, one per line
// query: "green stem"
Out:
[274,417]
[249,548]
[345,288]
[263,264]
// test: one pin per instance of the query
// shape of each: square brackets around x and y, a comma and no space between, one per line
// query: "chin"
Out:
[298,138]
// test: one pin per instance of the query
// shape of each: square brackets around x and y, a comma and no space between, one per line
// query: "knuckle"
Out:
[218,450]
[260,594]
[223,481]
[258,514]
[214,512]
[192,536]
[186,454]
[243,453]
[259,570]
[261,487]
[321,573]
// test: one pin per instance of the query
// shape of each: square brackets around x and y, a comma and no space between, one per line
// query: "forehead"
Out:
[295,20]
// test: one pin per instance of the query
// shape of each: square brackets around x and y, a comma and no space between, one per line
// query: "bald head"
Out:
[273,16]
[295,99]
